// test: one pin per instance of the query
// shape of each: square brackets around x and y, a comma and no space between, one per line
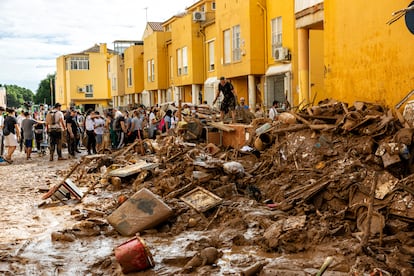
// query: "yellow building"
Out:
[117,80]
[155,64]
[134,73]
[364,59]
[82,78]
[280,53]
[240,45]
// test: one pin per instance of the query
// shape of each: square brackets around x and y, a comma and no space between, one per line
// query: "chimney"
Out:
[102,48]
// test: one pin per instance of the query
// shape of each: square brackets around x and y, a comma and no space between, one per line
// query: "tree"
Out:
[43,93]
[17,95]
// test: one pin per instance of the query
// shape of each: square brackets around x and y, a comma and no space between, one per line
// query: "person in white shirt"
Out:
[273,111]
[99,131]
[90,131]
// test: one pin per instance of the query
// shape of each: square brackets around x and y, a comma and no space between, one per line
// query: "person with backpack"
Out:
[11,133]
[55,127]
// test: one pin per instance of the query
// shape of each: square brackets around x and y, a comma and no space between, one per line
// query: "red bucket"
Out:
[134,255]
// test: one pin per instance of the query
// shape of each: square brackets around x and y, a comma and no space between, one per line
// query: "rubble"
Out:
[325,174]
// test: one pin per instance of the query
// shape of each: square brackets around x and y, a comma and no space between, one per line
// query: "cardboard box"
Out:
[143,210]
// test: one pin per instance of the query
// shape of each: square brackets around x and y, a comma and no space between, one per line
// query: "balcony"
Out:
[309,14]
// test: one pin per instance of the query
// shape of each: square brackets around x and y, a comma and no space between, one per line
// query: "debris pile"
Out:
[330,177]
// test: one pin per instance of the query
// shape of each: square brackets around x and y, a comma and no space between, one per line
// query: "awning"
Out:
[210,81]
[278,69]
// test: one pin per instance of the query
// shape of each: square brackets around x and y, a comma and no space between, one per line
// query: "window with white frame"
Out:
[276,25]
[211,56]
[236,43]
[129,77]
[149,70]
[89,91]
[179,62]
[185,61]
[77,63]
[152,70]
[226,46]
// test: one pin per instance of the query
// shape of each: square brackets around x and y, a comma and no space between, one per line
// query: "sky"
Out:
[34,33]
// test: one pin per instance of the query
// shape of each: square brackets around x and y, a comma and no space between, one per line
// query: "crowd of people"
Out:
[96,132]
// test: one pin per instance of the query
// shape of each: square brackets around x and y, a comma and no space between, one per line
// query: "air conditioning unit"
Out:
[199,16]
[281,54]
[81,89]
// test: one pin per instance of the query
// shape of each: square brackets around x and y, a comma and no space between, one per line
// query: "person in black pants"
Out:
[72,132]
[90,131]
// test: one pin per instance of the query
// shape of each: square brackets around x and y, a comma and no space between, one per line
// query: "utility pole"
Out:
[146,14]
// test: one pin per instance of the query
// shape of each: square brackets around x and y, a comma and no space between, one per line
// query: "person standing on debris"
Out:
[72,132]
[38,133]
[28,133]
[136,126]
[229,100]
[55,127]
[273,111]
[11,133]
[99,130]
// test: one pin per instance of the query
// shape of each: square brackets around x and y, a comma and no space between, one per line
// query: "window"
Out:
[276,25]
[152,70]
[129,77]
[211,56]
[113,83]
[185,61]
[149,70]
[89,91]
[226,46]
[202,8]
[236,43]
[179,62]
[213,5]
[77,63]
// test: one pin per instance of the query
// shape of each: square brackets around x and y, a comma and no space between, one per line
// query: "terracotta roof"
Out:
[156,26]
[94,49]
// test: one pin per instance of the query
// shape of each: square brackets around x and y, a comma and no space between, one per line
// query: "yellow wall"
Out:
[155,48]
[366,59]
[250,17]
[133,57]
[116,66]
[316,70]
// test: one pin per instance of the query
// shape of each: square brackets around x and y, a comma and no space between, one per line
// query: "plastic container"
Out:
[263,128]
[134,255]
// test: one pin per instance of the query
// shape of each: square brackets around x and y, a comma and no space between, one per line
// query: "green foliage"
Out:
[17,95]
[43,94]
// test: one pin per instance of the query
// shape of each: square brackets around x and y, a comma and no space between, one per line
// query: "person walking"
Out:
[55,127]
[72,132]
[229,100]
[28,133]
[11,134]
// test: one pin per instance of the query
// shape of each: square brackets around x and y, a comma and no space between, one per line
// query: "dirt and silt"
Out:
[335,182]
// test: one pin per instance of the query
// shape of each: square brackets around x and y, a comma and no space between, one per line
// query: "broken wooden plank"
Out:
[133,169]
[221,126]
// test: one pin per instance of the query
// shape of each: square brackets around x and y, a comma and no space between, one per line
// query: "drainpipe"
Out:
[264,93]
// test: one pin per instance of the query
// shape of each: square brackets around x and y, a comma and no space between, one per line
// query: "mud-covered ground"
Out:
[30,244]
[305,197]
